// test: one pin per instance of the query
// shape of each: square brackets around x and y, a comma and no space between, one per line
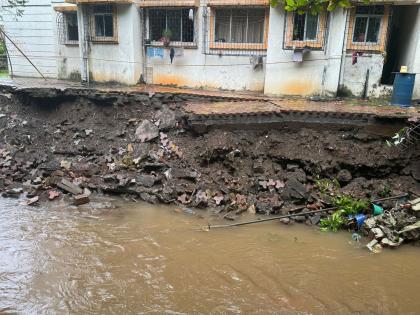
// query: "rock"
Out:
[81,200]
[344,176]
[13,193]
[285,221]
[411,232]
[377,233]
[291,167]
[374,246]
[166,118]
[146,131]
[388,243]
[31,201]
[251,209]
[148,197]
[146,180]
[299,218]
[315,219]
[69,187]
[52,194]
[295,190]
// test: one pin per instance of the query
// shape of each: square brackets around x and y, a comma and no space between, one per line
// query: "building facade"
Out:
[223,44]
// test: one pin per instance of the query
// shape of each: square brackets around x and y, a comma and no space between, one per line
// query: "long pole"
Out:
[14,44]
[209,227]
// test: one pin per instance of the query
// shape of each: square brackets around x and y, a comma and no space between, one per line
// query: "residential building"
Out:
[223,44]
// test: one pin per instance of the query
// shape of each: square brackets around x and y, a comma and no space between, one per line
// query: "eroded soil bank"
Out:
[141,146]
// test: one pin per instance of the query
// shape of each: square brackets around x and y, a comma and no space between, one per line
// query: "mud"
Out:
[93,140]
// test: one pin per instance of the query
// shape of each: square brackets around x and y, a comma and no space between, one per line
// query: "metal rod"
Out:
[14,44]
[209,227]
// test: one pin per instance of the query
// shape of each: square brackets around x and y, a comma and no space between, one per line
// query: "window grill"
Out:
[305,31]
[367,28]
[67,28]
[171,26]
[237,31]
[103,23]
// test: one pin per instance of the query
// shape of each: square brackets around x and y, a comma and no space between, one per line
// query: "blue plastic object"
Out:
[360,219]
[403,89]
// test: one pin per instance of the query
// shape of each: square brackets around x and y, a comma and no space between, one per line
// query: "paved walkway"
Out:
[239,102]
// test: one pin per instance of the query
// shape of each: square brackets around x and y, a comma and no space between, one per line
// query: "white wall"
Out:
[119,62]
[33,33]
[198,70]
[317,74]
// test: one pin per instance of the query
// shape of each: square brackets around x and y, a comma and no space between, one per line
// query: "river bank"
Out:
[58,144]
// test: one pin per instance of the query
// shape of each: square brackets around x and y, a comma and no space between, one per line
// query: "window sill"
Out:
[104,40]
[238,46]
[71,44]
[192,45]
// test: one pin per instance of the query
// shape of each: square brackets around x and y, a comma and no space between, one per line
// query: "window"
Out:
[305,27]
[71,27]
[173,25]
[239,25]
[239,28]
[368,27]
[104,23]
[305,30]
[367,24]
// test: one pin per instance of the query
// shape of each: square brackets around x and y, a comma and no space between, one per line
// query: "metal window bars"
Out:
[368,28]
[67,28]
[170,26]
[235,31]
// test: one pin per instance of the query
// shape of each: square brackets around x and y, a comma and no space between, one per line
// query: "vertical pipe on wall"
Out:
[83,41]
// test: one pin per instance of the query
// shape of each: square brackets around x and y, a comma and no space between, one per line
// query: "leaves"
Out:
[311,6]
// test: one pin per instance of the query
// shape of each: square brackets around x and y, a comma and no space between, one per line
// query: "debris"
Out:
[69,187]
[88,131]
[52,194]
[146,131]
[65,164]
[411,232]
[81,200]
[31,201]
[374,246]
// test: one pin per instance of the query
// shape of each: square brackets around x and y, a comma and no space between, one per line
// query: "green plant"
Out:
[326,185]
[167,34]
[333,222]
[385,192]
[350,205]
[312,6]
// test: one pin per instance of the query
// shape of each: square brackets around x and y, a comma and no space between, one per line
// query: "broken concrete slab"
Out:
[166,118]
[147,131]
[68,186]
[81,200]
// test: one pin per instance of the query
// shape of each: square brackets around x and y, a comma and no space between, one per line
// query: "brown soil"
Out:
[89,138]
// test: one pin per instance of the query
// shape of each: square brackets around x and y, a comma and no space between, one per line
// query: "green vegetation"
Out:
[326,185]
[347,206]
[311,6]
[334,222]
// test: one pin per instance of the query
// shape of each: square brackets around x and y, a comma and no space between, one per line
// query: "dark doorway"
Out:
[401,41]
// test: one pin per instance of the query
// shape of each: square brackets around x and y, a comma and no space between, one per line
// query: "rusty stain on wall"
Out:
[298,87]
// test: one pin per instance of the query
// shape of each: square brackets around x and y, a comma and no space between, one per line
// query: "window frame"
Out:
[378,46]
[68,41]
[157,43]
[321,32]
[238,46]
[104,39]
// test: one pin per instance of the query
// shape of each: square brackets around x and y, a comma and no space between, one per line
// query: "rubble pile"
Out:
[74,143]
[393,228]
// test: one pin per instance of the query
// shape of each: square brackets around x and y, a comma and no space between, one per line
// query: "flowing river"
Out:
[143,259]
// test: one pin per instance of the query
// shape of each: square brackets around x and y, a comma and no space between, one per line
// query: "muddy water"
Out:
[142,259]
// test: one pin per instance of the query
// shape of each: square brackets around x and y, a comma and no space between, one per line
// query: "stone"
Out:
[295,190]
[166,118]
[374,246]
[377,233]
[299,218]
[344,176]
[13,193]
[411,232]
[146,180]
[147,131]
[81,200]
[69,187]
[285,221]
[315,219]
[388,243]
